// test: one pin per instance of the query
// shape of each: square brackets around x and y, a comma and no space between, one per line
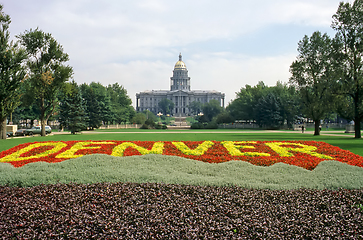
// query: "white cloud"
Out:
[302,12]
[230,74]
[137,43]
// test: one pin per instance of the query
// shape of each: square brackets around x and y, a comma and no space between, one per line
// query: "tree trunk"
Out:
[357,119]
[357,131]
[3,129]
[317,128]
[43,128]
[42,117]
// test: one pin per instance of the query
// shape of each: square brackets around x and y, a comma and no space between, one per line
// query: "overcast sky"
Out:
[225,44]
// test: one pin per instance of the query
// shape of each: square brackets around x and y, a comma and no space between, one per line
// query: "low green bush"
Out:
[160,126]
[176,170]
[197,125]
[211,125]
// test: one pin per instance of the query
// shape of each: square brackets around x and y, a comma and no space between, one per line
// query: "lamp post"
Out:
[180,106]
[159,115]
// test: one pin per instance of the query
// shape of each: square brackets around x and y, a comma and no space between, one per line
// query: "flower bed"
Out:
[306,154]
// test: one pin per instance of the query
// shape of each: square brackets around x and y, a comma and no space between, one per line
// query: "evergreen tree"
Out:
[121,108]
[104,102]
[93,108]
[72,112]
[268,111]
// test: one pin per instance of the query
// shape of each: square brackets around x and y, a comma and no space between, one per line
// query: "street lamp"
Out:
[159,115]
[180,102]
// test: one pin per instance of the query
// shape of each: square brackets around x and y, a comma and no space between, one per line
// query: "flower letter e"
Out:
[71,153]
[279,148]
[119,150]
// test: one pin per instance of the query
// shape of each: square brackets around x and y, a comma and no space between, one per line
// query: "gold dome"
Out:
[180,64]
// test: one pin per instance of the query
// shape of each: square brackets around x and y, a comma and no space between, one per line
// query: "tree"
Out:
[211,109]
[47,71]
[150,115]
[224,117]
[120,103]
[104,102]
[24,112]
[290,102]
[166,106]
[139,118]
[98,104]
[348,23]
[195,107]
[12,73]
[71,113]
[269,109]
[244,106]
[92,107]
[312,74]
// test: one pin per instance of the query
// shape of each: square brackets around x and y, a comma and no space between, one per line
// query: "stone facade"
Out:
[180,94]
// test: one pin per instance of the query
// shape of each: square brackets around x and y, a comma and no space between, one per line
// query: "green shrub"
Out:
[175,170]
[197,125]
[211,125]
[150,123]
[160,126]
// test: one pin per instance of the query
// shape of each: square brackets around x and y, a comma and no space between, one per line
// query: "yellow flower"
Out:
[284,151]
[200,150]
[119,150]
[234,148]
[16,156]
[70,153]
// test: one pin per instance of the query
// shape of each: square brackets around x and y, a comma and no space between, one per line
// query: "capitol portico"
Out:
[180,94]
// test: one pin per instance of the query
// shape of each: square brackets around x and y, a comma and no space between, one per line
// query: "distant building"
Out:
[179,93]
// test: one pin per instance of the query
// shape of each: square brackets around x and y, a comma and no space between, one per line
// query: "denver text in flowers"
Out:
[306,154]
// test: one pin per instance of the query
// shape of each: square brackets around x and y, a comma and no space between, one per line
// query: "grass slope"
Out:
[176,170]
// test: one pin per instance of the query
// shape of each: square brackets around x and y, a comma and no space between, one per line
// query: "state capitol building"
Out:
[180,94]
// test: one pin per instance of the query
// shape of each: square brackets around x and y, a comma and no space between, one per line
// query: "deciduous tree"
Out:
[47,70]
[120,103]
[166,106]
[195,107]
[312,74]
[244,106]
[348,22]
[211,109]
[12,73]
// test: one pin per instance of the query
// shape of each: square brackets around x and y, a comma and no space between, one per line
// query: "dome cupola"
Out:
[180,79]
[179,65]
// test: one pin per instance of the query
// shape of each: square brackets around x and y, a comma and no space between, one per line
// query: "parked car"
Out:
[37,130]
[20,132]
[9,134]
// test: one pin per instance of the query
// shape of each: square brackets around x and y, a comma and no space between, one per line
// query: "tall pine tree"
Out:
[72,112]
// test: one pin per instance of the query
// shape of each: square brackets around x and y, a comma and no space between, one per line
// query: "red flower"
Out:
[306,154]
